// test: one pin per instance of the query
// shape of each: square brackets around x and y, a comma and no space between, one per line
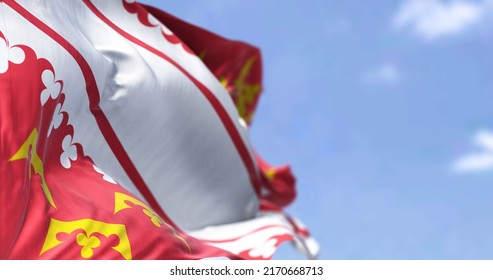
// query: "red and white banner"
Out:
[121,141]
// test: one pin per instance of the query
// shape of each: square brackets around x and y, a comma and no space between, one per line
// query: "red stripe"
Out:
[215,103]
[94,98]
[300,231]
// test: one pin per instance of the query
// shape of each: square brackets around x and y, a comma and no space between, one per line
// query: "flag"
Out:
[121,140]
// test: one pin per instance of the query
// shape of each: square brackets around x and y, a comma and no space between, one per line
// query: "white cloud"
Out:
[484,138]
[387,74]
[431,19]
[477,161]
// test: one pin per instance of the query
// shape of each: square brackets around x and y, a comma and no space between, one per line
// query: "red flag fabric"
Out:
[118,142]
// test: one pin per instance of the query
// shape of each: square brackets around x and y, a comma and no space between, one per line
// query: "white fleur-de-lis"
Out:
[7,54]
[106,177]
[57,119]
[69,152]
[53,87]
[266,250]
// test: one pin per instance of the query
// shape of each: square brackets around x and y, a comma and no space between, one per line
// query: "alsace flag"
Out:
[124,135]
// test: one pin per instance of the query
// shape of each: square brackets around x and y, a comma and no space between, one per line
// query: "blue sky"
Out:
[384,110]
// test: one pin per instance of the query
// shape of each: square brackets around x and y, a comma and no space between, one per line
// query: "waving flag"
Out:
[120,139]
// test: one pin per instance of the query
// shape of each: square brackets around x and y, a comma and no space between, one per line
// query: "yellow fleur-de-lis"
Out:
[85,239]
[88,243]
[154,218]
[121,201]
[28,151]
[245,93]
